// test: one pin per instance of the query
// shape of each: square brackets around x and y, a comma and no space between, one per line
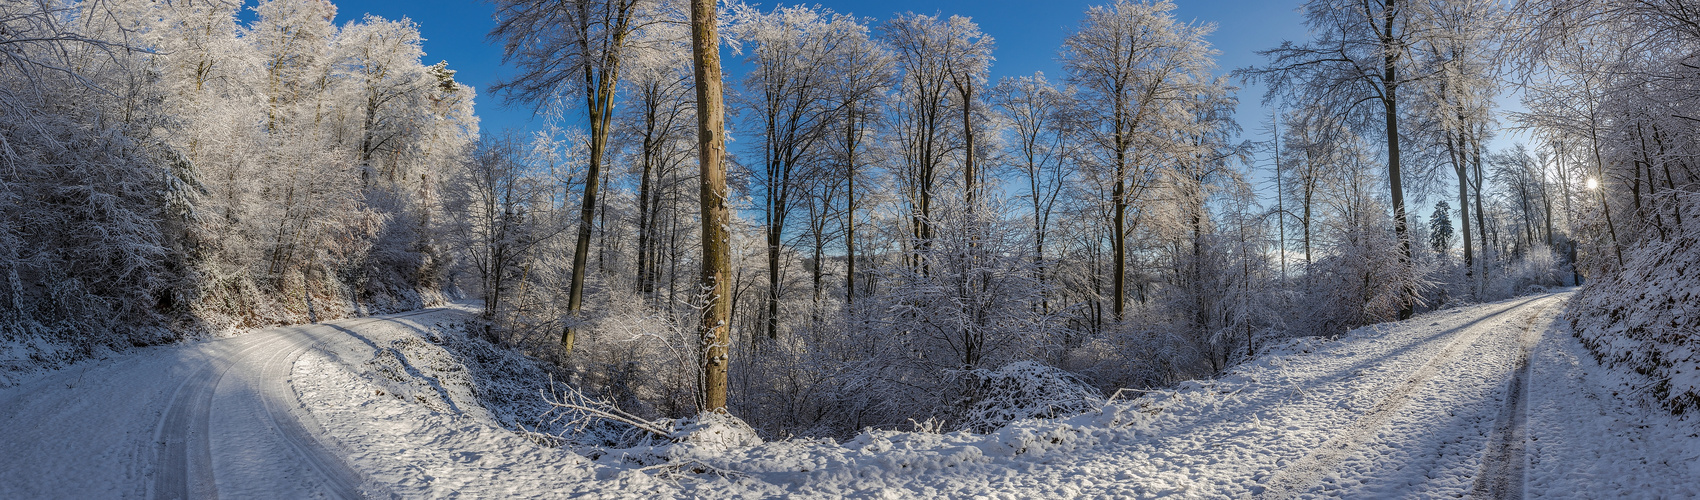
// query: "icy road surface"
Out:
[1489,401]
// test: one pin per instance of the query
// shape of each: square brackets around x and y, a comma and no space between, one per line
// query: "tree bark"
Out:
[645,285]
[1476,187]
[1119,244]
[1463,172]
[850,138]
[716,244]
[970,177]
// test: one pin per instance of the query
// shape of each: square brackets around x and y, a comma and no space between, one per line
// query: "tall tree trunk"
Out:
[1310,193]
[716,244]
[1475,152]
[1280,208]
[1118,196]
[1670,182]
[1118,245]
[599,95]
[970,177]
[365,160]
[1529,215]
[1459,167]
[850,137]
[1546,206]
[1455,149]
[773,248]
[1600,170]
[819,267]
[1390,103]
[1200,303]
[602,227]
[645,285]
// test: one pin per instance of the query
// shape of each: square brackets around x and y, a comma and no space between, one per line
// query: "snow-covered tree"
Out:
[571,52]
[1360,56]
[1138,70]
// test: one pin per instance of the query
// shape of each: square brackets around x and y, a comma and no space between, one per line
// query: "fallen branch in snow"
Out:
[584,409]
[932,425]
[540,438]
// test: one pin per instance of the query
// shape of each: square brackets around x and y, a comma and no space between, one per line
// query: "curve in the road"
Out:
[1306,471]
[183,460]
[341,478]
[183,467]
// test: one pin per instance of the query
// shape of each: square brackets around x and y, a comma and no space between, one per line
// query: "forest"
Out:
[901,239]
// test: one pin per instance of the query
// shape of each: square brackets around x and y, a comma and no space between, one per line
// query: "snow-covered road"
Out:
[1491,401]
[197,420]
[1415,409]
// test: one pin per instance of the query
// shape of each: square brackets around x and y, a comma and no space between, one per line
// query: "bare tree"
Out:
[933,54]
[500,215]
[789,94]
[660,124]
[863,74]
[1360,51]
[1043,143]
[1458,48]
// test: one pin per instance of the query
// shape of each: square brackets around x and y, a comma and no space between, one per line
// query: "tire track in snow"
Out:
[1306,471]
[183,466]
[278,397]
[299,430]
[1502,472]
[183,463]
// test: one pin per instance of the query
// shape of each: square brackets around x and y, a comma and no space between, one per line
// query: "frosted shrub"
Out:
[1023,390]
[1539,269]
[637,358]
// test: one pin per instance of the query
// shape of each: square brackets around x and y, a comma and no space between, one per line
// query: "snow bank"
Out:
[1646,318]
[1586,441]
[1226,437]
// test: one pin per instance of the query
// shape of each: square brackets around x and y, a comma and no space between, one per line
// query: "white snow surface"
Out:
[1395,410]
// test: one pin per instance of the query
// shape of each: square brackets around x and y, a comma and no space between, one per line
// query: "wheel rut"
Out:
[183,467]
[279,397]
[1301,474]
[1502,472]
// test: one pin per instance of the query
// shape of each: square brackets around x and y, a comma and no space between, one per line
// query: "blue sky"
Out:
[1027,33]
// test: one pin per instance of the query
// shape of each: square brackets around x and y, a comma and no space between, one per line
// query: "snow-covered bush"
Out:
[1023,390]
[636,358]
[715,432]
[510,385]
[86,199]
[1362,283]
[1646,317]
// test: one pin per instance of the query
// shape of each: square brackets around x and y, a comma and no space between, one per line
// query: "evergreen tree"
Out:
[1440,228]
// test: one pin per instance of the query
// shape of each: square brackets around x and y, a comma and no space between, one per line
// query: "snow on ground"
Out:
[408,405]
[1394,410]
[1593,435]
